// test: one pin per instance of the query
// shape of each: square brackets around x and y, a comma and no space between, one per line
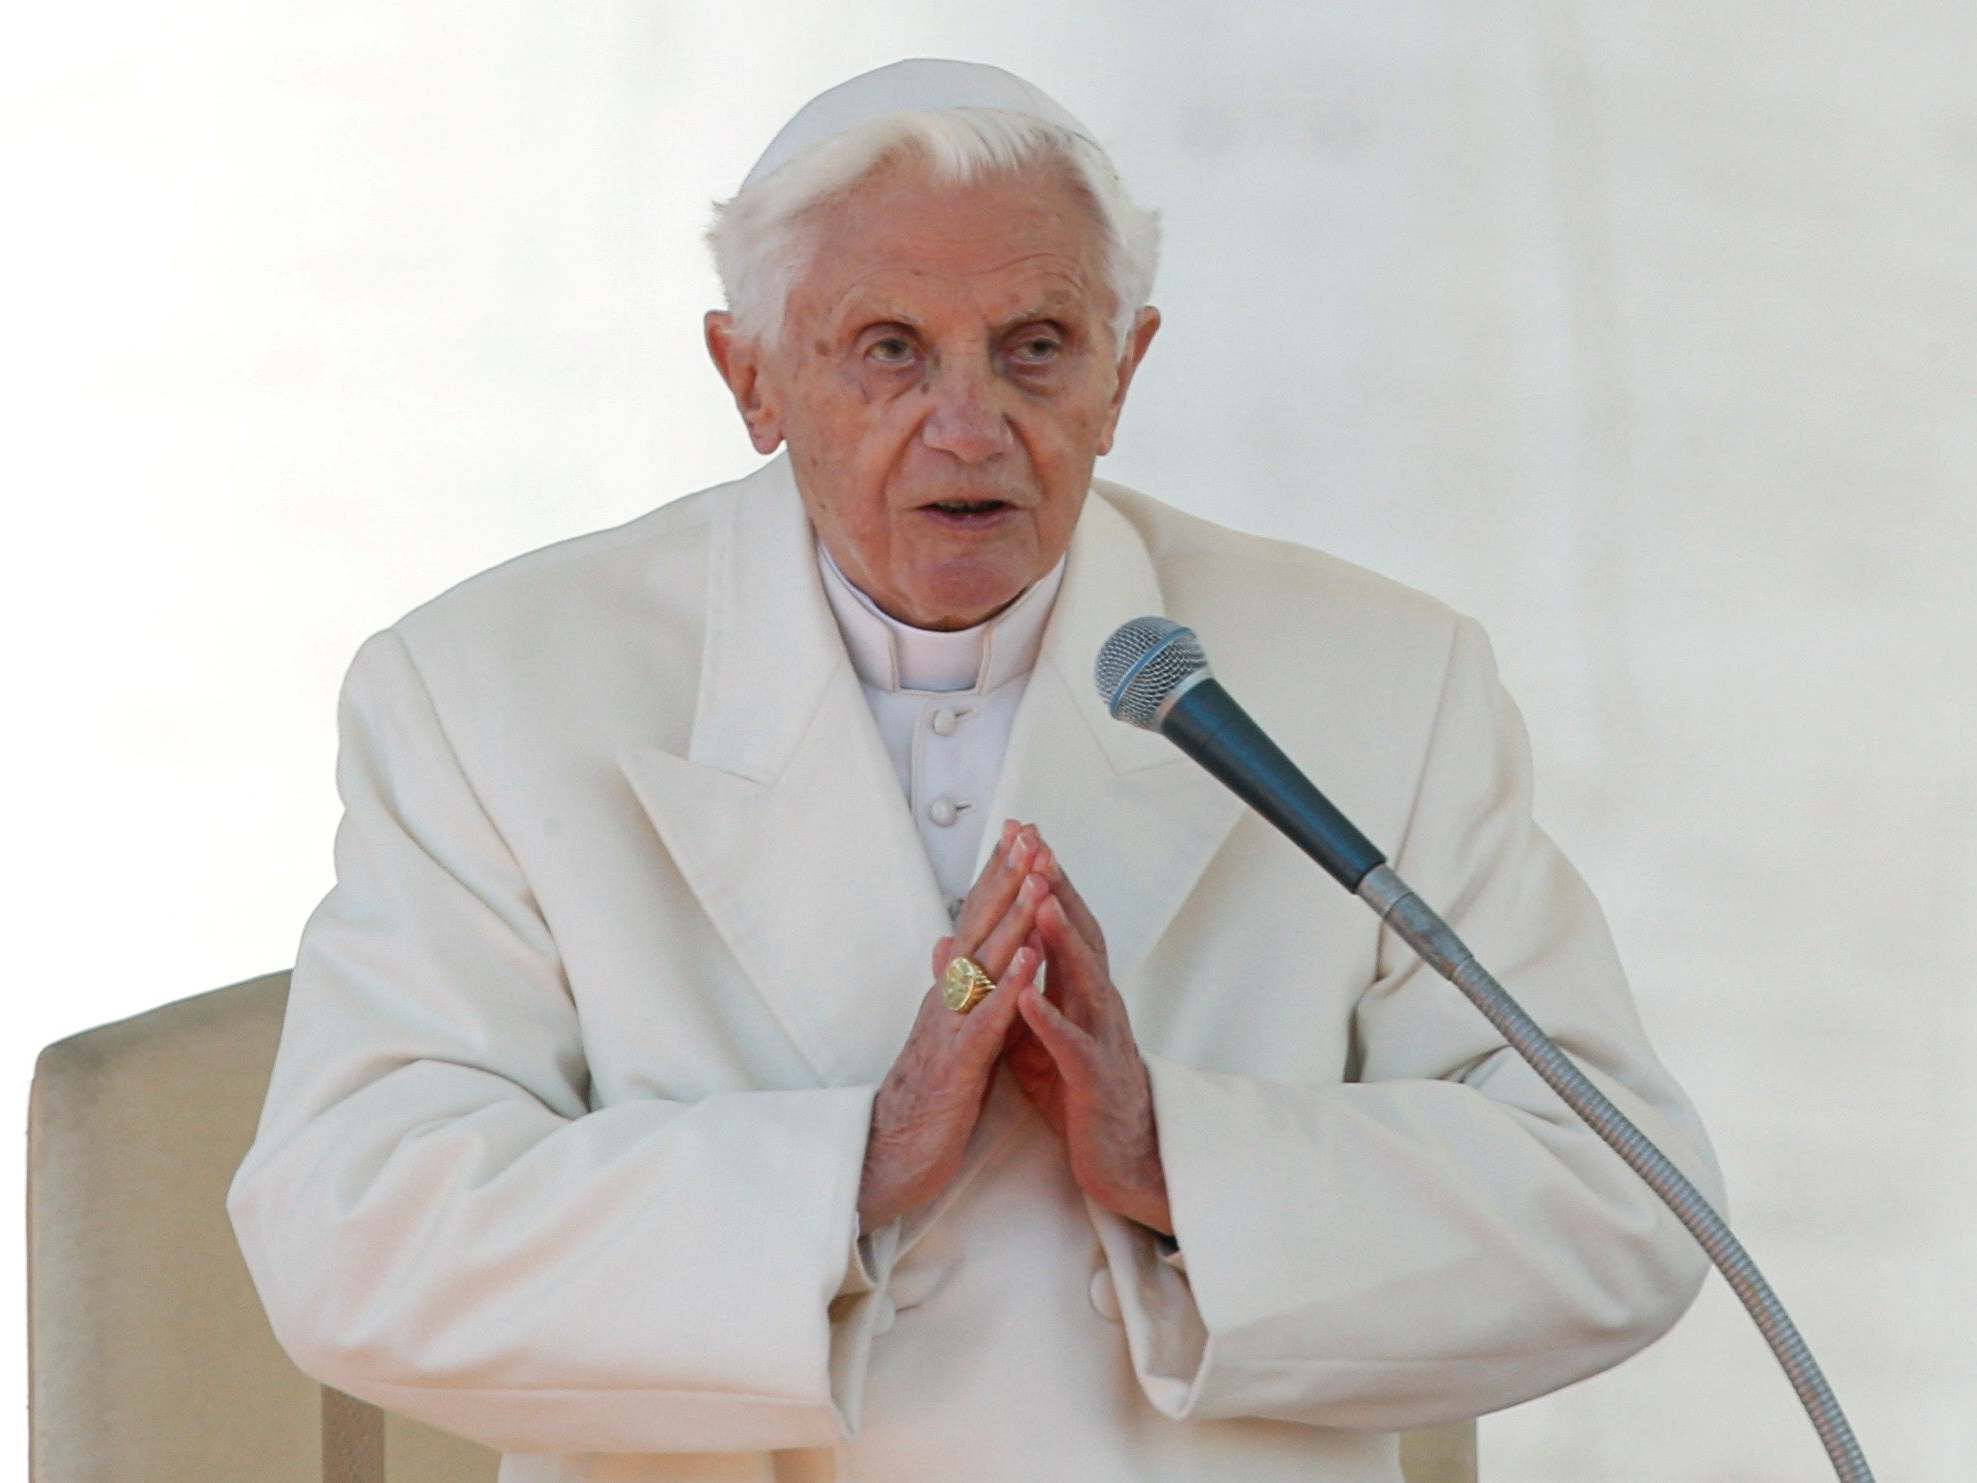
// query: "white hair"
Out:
[761,248]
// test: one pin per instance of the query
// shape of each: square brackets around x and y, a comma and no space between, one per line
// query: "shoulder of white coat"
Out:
[1344,668]
[1244,593]
[651,560]
[584,643]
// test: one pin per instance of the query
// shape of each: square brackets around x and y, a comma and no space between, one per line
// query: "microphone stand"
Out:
[1421,929]
[1152,674]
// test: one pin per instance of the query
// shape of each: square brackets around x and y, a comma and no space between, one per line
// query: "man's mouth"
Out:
[968,511]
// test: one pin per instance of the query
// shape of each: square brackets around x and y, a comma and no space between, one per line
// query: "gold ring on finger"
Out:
[964,985]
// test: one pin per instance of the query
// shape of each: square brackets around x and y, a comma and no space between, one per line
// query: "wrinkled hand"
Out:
[931,1098]
[1074,1056]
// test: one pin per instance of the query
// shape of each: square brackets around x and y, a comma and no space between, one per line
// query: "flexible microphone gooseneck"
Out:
[1152,674]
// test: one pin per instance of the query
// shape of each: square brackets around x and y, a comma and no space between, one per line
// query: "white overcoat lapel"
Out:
[786,816]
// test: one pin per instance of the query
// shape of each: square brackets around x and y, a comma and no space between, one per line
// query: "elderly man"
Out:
[771,1023]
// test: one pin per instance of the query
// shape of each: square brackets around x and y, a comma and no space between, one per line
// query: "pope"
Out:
[771,1023]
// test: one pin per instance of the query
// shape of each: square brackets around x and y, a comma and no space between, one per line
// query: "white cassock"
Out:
[562,1146]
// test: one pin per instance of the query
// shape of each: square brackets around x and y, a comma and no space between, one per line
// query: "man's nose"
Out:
[967,418]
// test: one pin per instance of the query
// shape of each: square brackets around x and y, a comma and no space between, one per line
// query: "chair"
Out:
[148,1354]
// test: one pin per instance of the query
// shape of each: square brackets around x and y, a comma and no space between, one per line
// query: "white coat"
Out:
[562,1146]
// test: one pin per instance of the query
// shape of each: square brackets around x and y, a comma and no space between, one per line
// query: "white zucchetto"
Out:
[916,83]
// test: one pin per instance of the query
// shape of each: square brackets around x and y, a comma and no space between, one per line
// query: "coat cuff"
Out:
[1166,1338]
[862,1259]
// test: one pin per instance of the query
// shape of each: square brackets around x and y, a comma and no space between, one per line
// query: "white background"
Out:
[1644,333]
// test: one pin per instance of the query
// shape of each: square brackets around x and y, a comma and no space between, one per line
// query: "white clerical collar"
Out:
[890,655]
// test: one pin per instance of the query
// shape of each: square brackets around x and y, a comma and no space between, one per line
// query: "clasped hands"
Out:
[1067,1043]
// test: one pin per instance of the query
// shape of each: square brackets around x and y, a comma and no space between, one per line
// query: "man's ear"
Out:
[740,363]
[1145,325]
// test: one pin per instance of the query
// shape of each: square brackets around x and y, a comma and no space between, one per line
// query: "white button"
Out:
[1104,1296]
[943,812]
[945,721]
[884,1311]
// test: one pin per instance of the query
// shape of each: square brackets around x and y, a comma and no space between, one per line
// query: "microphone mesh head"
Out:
[1142,664]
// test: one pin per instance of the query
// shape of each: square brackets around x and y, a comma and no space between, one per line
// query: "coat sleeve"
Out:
[1443,1236]
[435,1220]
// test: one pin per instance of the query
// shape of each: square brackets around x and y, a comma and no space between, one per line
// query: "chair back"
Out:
[149,1355]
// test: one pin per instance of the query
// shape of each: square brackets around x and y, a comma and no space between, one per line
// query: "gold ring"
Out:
[964,985]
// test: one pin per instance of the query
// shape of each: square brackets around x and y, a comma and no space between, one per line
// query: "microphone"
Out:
[1153,674]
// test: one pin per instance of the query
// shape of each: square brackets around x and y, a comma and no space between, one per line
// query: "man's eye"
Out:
[891,351]
[1037,350]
